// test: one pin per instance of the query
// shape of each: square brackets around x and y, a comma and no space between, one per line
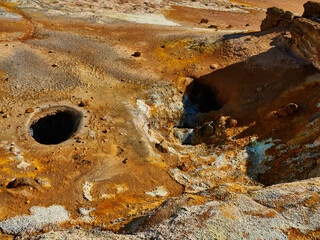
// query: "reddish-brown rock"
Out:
[306,39]
[311,10]
[276,18]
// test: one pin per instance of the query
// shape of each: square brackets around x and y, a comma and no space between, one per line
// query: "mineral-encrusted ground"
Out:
[159,120]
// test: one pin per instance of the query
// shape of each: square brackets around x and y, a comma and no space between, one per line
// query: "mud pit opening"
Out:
[203,97]
[198,101]
[198,98]
[55,127]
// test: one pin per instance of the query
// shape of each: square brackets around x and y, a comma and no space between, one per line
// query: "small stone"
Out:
[125,161]
[84,103]
[213,66]
[230,122]
[12,149]
[247,25]
[286,111]
[213,26]
[230,26]
[291,108]
[163,46]
[54,65]
[204,20]
[29,110]
[5,116]
[136,54]
[92,134]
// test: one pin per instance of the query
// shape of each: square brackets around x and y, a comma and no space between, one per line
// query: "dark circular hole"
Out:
[204,97]
[55,128]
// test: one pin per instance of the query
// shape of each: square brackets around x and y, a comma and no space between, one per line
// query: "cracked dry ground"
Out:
[217,132]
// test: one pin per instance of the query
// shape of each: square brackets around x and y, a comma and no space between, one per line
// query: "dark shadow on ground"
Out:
[249,92]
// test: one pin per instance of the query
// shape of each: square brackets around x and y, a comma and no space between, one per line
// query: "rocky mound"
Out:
[304,38]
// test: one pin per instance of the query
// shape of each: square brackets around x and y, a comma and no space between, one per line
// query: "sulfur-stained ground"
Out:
[129,82]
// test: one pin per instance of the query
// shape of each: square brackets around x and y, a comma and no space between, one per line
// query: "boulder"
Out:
[312,10]
[305,39]
[276,18]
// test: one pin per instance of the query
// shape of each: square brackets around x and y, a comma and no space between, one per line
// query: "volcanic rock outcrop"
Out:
[305,35]
[276,18]
[312,10]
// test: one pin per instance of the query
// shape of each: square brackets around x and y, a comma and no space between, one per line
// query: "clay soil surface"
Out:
[128,81]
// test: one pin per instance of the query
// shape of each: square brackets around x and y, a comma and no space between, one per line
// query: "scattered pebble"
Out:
[204,20]
[92,134]
[213,66]
[230,122]
[213,26]
[29,110]
[136,54]
[84,103]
